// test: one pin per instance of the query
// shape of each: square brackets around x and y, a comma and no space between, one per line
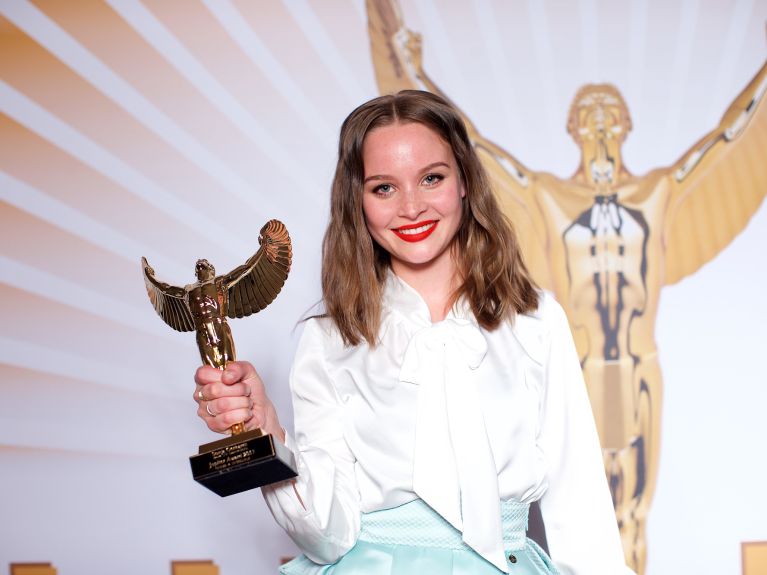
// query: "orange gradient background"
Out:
[174,129]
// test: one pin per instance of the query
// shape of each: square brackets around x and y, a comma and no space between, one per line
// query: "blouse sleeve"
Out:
[320,509]
[581,528]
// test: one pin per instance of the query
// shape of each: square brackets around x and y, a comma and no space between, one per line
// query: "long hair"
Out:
[492,276]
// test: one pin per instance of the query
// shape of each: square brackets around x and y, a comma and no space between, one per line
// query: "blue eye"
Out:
[383,189]
[432,179]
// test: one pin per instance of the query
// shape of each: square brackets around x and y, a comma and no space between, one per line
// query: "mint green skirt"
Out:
[413,539]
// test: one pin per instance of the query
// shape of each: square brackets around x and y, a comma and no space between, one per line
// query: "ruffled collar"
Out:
[404,302]
[401,298]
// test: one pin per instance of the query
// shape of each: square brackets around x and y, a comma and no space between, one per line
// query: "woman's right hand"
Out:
[235,395]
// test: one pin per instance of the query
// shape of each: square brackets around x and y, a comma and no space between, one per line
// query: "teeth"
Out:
[418,230]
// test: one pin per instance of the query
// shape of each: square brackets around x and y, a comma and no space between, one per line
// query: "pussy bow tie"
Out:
[454,470]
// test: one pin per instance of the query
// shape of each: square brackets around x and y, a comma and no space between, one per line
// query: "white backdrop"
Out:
[176,129]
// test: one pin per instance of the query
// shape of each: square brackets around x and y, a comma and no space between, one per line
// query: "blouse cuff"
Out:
[306,512]
[285,498]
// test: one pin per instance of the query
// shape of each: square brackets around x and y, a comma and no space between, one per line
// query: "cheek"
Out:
[451,204]
[376,214]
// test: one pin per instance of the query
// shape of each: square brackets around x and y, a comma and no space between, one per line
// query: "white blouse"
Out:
[454,414]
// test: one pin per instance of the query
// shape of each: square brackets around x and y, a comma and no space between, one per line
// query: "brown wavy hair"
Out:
[493,277]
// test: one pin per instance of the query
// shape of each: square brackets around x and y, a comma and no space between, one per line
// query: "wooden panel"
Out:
[199,567]
[754,557]
[32,569]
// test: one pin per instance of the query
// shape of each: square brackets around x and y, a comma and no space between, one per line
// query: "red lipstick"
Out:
[416,232]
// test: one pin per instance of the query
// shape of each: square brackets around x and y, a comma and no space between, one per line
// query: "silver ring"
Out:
[199,395]
[207,408]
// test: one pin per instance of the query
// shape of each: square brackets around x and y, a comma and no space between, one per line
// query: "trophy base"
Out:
[241,462]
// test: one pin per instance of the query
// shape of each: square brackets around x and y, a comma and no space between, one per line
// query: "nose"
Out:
[413,203]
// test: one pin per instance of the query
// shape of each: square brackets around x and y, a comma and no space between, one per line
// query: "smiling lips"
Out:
[416,232]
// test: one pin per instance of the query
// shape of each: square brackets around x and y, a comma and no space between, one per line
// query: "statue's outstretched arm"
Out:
[718,184]
[396,53]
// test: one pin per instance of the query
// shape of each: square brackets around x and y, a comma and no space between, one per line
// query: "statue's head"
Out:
[599,121]
[204,271]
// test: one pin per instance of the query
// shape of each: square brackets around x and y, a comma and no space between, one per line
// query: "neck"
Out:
[607,170]
[434,282]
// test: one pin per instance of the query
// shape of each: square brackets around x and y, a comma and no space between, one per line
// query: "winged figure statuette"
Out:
[204,305]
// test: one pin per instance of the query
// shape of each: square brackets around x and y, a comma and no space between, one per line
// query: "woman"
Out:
[440,393]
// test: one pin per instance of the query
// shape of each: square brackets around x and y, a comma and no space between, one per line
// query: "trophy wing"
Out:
[719,184]
[168,301]
[254,285]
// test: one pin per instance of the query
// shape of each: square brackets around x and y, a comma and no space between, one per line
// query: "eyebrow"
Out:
[424,169]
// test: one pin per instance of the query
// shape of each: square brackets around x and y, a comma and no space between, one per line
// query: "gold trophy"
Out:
[243,460]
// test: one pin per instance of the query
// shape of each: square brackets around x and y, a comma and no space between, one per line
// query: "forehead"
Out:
[598,99]
[599,104]
[401,145]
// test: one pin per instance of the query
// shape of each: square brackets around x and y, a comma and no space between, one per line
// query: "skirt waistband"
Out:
[415,523]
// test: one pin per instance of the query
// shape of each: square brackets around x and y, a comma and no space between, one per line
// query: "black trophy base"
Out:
[241,462]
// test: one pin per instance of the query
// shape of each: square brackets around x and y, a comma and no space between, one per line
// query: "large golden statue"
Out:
[606,242]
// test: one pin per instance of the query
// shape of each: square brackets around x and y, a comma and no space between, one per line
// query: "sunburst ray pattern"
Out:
[175,129]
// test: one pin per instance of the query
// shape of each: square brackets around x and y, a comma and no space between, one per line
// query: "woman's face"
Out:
[411,196]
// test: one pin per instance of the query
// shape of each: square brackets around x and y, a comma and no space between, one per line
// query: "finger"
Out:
[203,393]
[218,390]
[259,417]
[223,421]
[245,372]
[206,374]
[234,416]
[224,405]
[239,371]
